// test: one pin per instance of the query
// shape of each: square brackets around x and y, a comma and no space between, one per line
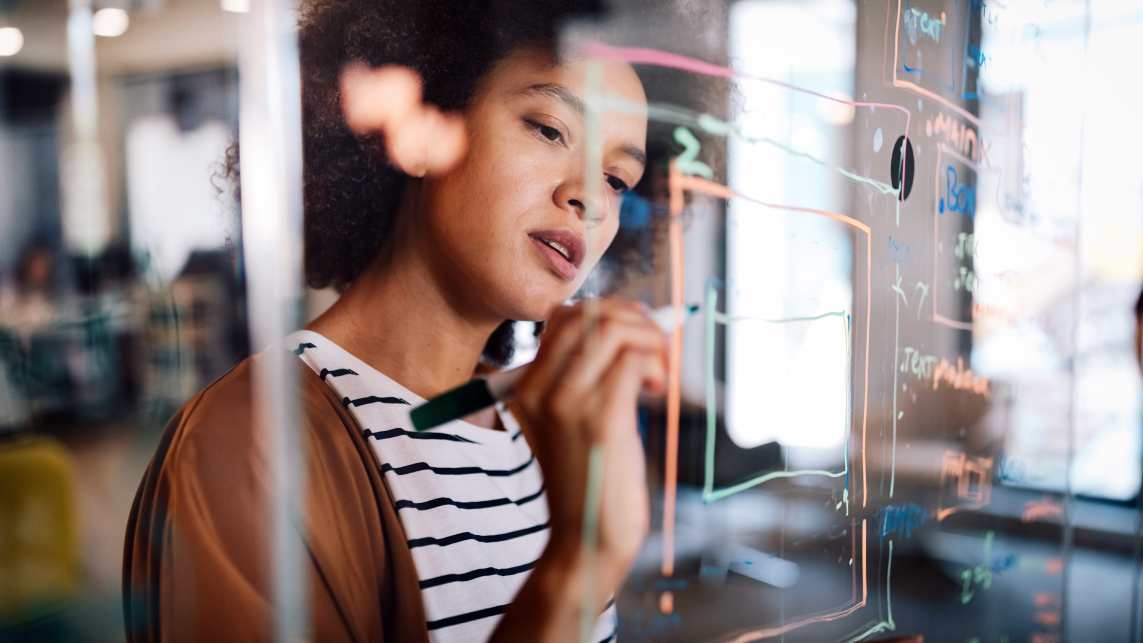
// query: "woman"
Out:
[470,532]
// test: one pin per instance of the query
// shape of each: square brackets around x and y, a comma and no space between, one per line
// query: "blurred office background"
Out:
[121,286]
[122,294]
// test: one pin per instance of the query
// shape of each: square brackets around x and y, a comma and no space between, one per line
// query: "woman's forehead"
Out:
[525,70]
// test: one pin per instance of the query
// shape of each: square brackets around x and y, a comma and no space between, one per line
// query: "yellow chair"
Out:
[39,553]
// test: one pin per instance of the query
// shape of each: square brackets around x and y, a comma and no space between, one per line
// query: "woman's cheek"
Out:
[603,236]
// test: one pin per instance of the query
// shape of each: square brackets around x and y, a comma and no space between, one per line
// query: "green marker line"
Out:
[681,116]
[591,504]
[877,185]
[593,143]
[688,162]
[730,491]
[904,162]
[712,317]
[889,586]
[896,357]
[710,311]
[723,318]
[593,161]
[897,288]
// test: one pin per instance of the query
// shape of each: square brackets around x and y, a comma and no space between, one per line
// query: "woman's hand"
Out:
[575,395]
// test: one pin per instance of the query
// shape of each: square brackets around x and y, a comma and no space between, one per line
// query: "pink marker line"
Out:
[644,56]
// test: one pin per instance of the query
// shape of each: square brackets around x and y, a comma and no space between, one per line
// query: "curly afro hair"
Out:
[351,191]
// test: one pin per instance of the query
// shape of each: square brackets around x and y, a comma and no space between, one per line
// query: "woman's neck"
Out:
[400,319]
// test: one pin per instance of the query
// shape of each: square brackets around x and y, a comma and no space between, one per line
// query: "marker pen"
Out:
[483,392]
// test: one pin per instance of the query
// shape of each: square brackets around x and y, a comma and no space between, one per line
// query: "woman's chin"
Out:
[535,313]
[536,301]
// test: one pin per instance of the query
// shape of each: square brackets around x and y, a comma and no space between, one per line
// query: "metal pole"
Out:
[271,177]
[85,224]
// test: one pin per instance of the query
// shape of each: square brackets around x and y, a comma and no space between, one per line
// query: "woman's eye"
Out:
[617,184]
[548,132]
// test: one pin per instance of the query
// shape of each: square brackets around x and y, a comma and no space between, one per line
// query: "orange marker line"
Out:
[821,618]
[674,371]
[758,635]
[698,184]
[941,319]
[864,552]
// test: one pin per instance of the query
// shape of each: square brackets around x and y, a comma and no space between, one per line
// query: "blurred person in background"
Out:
[440,229]
[37,378]
[27,304]
[1137,542]
[40,567]
[1139,329]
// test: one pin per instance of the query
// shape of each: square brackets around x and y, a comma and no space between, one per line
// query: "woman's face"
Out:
[506,228]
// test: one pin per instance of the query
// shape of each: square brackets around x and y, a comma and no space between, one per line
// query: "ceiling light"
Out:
[11,41]
[110,22]
[237,6]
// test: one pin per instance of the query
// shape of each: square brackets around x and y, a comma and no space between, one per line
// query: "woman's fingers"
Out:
[578,394]
[561,336]
[623,515]
[615,338]
[564,340]
[618,388]
[655,374]
[563,384]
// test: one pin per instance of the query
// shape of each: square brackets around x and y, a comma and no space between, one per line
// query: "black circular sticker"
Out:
[895,167]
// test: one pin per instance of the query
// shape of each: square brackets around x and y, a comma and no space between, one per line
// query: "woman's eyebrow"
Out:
[565,95]
[635,153]
[557,92]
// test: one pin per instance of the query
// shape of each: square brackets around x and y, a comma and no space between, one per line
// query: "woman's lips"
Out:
[555,260]
[562,248]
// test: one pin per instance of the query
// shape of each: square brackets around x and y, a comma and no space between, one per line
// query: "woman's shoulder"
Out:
[216,428]
[202,514]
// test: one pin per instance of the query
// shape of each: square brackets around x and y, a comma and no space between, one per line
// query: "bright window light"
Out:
[11,41]
[237,6]
[789,276]
[836,113]
[110,22]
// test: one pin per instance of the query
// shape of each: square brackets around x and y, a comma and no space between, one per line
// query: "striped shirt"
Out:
[471,500]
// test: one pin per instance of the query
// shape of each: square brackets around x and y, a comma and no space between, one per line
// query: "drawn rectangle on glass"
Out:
[927,33]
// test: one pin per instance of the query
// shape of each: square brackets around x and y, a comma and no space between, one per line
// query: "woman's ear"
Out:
[419,139]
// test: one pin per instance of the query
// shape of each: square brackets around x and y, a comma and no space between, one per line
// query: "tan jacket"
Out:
[196,564]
